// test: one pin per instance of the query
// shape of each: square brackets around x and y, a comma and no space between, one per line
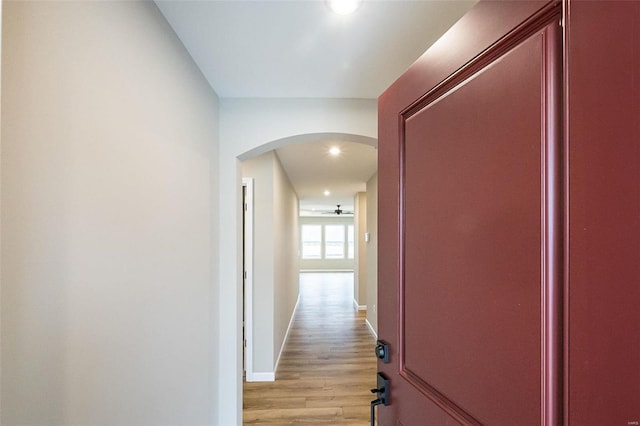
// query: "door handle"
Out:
[382,391]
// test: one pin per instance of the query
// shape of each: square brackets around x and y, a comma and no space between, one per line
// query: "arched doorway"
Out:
[251,127]
[289,183]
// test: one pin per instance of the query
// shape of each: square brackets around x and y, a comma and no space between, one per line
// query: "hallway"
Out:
[327,366]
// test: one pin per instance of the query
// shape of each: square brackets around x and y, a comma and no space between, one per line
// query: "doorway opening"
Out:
[272,247]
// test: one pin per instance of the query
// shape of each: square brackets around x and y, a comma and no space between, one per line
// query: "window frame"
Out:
[347,255]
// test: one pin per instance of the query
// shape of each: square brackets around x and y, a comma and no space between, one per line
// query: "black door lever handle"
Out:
[383,396]
[374,403]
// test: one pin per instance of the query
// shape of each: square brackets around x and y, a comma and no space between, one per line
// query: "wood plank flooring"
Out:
[327,367]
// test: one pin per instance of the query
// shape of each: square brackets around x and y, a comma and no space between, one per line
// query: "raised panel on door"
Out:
[478,187]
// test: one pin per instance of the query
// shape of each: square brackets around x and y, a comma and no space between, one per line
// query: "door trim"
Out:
[247,212]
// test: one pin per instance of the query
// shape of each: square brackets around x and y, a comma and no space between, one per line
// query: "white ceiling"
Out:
[343,175]
[300,49]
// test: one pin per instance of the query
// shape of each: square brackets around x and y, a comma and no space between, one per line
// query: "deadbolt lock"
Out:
[382,351]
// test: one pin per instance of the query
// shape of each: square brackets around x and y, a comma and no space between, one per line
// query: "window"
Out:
[334,241]
[311,241]
[327,241]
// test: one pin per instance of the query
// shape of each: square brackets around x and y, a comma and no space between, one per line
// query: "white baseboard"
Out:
[261,377]
[359,307]
[371,330]
[286,336]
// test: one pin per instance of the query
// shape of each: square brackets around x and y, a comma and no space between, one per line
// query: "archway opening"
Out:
[282,178]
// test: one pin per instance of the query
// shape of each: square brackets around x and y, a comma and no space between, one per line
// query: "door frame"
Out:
[247,212]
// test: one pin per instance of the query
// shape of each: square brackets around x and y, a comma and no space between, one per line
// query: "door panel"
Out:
[476,186]
[471,297]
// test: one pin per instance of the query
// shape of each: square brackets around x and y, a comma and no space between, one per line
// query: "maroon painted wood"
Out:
[513,132]
[470,295]
[603,108]
[478,199]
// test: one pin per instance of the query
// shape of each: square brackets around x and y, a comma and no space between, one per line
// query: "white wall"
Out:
[249,127]
[285,250]
[109,200]
[275,261]
[360,275]
[372,253]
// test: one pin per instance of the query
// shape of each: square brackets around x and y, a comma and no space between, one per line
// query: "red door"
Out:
[471,220]
[603,260]
[509,220]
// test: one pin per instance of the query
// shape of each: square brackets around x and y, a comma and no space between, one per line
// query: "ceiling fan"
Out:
[338,211]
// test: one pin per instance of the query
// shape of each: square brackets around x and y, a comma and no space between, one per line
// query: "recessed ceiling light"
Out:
[327,193]
[335,151]
[343,7]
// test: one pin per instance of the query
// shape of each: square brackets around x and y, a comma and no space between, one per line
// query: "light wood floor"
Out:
[327,367]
